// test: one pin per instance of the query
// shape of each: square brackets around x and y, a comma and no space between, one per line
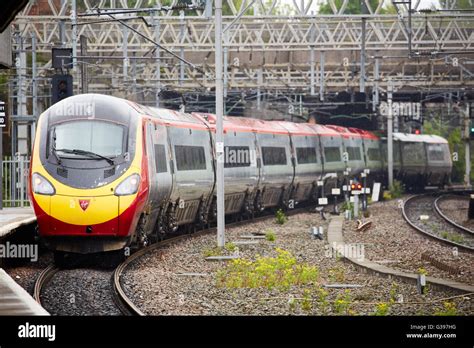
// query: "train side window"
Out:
[273,155]
[236,156]
[190,157]
[435,153]
[354,153]
[332,154]
[160,159]
[306,155]
[374,154]
[413,152]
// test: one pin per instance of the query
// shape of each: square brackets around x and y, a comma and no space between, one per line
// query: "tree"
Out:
[355,7]
[459,4]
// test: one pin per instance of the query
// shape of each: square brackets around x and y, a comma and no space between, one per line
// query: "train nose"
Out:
[84,215]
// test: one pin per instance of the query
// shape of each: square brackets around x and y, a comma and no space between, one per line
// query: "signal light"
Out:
[355,187]
[61,87]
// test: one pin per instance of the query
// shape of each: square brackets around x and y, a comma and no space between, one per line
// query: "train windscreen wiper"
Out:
[86,153]
[53,148]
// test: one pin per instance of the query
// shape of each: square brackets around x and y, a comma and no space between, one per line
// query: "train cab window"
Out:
[273,155]
[332,154]
[374,154]
[190,157]
[160,159]
[354,153]
[306,155]
[435,153]
[413,152]
[236,156]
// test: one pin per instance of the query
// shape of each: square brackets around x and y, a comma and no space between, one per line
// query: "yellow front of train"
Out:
[88,178]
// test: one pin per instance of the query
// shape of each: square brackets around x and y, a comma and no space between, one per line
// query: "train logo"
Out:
[84,203]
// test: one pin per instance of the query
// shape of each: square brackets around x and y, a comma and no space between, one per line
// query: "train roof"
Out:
[424,138]
[121,110]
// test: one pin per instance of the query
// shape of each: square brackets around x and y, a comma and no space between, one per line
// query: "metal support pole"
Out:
[364,195]
[356,206]
[311,63]
[125,53]
[321,76]
[1,163]
[375,99]
[181,50]
[74,32]
[467,175]
[362,57]
[259,84]
[390,136]
[156,22]
[84,85]
[34,88]
[220,126]
[226,57]
[134,79]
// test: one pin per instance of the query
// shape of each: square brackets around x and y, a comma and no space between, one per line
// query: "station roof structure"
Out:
[9,10]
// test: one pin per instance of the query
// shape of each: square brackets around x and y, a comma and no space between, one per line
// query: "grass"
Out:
[280,216]
[270,235]
[382,309]
[449,309]
[281,271]
[453,237]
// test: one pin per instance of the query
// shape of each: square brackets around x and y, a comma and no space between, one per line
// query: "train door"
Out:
[159,168]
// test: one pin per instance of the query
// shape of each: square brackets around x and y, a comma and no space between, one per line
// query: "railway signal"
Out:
[61,87]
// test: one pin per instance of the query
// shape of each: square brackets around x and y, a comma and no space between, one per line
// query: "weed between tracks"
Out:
[280,272]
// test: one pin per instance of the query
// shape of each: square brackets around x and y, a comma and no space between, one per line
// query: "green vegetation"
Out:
[382,309]
[348,206]
[280,216]
[343,303]
[280,272]
[336,275]
[323,301]
[229,246]
[270,235]
[307,303]
[449,309]
[453,237]
[354,7]
[421,270]
[396,190]
[215,251]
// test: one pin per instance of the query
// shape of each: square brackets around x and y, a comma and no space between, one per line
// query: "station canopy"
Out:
[10,8]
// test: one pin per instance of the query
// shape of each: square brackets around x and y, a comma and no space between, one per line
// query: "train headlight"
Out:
[129,186]
[41,185]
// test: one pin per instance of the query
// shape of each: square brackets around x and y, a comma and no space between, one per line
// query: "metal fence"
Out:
[15,181]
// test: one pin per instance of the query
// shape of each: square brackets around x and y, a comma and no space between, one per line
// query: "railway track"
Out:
[439,210]
[121,301]
[422,213]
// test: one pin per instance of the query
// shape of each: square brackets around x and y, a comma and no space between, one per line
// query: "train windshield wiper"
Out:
[53,148]
[86,153]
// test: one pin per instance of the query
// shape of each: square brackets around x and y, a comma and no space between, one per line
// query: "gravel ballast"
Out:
[80,291]
[177,280]
[392,242]
[456,208]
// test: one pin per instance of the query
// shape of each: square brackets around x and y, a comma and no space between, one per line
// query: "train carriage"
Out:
[108,173]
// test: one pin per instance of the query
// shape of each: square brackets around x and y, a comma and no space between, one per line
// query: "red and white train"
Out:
[107,172]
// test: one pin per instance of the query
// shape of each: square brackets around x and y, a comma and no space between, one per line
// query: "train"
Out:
[107,173]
